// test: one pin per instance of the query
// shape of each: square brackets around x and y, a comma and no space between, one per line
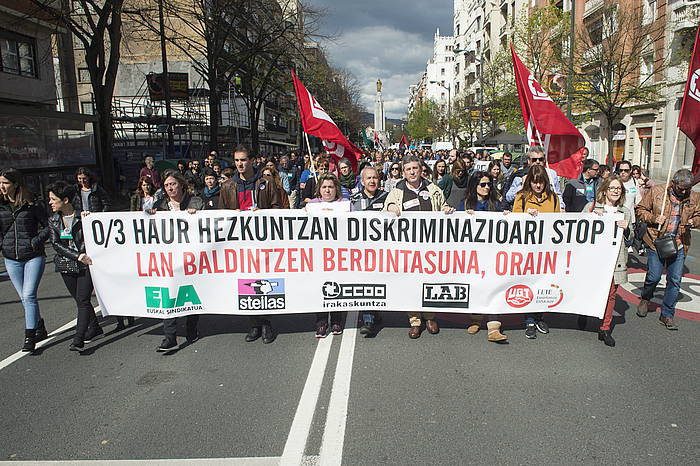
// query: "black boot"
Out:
[120,324]
[94,332]
[253,334]
[268,336]
[41,333]
[606,337]
[29,340]
[130,321]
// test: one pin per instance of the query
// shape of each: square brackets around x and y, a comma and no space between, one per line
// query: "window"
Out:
[646,69]
[17,55]
[457,30]
[442,71]
[648,11]
[595,32]
[83,75]
[87,108]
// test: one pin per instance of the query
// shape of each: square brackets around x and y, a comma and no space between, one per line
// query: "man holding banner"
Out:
[415,193]
[248,190]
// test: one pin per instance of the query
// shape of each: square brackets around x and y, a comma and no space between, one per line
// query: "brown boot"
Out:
[473,328]
[414,332]
[495,334]
[432,326]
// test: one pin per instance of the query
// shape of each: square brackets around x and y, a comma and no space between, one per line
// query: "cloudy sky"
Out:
[387,39]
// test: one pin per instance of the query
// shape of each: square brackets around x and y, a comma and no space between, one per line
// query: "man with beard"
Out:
[669,211]
[248,190]
[370,198]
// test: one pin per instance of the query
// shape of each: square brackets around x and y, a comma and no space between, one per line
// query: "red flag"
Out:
[689,118]
[546,125]
[316,122]
[404,142]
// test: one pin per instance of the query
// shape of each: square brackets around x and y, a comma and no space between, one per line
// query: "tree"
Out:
[424,121]
[617,64]
[98,27]
[217,37]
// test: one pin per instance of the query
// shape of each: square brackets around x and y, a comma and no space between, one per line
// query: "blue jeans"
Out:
[25,276]
[674,273]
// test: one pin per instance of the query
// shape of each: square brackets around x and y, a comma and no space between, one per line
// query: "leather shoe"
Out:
[432,326]
[253,334]
[268,336]
[606,337]
[414,332]
[472,329]
[668,323]
[643,308]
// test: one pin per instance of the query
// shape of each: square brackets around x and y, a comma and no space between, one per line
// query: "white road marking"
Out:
[255,460]
[293,453]
[20,354]
[336,419]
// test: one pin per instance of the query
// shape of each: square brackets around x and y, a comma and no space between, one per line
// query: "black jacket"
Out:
[98,200]
[188,202]
[23,231]
[574,194]
[62,246]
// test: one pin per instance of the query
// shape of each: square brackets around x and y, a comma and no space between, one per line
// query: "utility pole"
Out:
[166,80]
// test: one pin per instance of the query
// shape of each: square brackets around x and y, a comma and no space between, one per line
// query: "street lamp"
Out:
[449,116]
[481,87]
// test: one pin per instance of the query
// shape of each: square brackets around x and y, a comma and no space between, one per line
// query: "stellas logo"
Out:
[551,296]
[261,294]
[519,296]
[693,90]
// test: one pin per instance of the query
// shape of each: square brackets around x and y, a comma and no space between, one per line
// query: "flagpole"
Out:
[311,157]
[670,168]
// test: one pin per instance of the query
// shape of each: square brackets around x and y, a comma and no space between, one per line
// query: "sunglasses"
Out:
[394,168]
[485,185]
[537,159]
[624,170]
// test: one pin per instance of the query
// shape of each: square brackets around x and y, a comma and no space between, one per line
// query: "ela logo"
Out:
[446,295]
[159,297]
[519,296]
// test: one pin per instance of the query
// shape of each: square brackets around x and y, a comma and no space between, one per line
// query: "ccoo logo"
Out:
[519,296]
[693,90]
[537,92]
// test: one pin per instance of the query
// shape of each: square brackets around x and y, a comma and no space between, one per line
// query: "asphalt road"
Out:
[451,398]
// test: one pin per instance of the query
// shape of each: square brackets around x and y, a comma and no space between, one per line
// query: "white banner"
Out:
[287,261]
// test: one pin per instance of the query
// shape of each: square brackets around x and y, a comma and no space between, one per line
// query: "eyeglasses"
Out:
[615,188]
[485,185]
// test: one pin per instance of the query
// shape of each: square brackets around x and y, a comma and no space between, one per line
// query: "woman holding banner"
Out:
[536,196]
[176,197]
[610,199]
[328,194]
[415,193]
[482,197]
[71,261]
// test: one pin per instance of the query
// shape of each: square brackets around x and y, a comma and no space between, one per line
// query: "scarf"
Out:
[461,182]
[211,192]
[348,181]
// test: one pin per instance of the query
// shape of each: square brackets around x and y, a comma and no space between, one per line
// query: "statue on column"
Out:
[379,85]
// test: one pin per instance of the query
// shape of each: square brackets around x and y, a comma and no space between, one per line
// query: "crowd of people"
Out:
[657,220]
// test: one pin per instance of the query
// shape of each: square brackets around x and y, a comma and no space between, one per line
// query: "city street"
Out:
[450,398]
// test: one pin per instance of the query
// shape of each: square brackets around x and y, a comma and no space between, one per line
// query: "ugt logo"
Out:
[159,297]
[693,90]
[537,92]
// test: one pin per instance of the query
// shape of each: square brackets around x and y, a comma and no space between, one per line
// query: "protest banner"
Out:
[289,261]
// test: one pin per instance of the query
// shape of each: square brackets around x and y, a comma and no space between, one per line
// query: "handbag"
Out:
[666,246]
[65,264]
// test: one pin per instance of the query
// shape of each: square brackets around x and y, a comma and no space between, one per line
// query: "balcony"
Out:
[592,6]
[503,31]
[685,15]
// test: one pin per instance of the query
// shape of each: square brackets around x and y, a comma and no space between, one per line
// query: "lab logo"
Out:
[261,294]
[536,90]
[694,85]
[551,296]
[344,295]
[518,296]
[454,295]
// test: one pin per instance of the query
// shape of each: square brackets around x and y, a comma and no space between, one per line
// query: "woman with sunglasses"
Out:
[610,199]
[272,174]
[349,181]
[482,197]
[456,185]
[394,176]
[535,197]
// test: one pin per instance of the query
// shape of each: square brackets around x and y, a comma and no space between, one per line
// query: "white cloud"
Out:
[396,57]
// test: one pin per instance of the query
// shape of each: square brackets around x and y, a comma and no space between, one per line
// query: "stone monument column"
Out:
[379,124]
